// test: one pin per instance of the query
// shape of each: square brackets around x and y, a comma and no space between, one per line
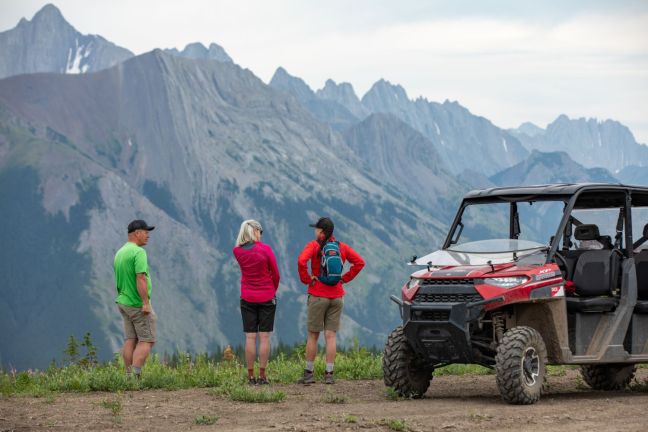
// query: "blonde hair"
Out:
[246,233]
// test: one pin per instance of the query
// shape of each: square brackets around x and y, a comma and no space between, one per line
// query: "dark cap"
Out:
[325,224]
[139,225]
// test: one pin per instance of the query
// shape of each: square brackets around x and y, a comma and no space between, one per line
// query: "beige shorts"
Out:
[324,313]
[138,325]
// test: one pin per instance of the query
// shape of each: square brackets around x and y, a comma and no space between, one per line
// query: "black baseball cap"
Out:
[139,224]
[325,224]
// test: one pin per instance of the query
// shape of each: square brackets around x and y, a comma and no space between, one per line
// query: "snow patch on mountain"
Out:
[78,64]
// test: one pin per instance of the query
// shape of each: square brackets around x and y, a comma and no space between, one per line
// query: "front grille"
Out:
[446,298]
[445,282]
[434,315]
[447,291]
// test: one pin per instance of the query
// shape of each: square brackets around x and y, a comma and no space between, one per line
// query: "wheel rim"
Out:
[530,366]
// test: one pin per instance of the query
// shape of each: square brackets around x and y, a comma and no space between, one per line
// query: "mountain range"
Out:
[592,143]
[196,150]
[193,143]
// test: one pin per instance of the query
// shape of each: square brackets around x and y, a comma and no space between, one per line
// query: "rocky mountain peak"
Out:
[550,167]
[343,94]
[50,13]
[197,50]
[332,90]
[530,129]
[383,92]
[48,43]
[288,83]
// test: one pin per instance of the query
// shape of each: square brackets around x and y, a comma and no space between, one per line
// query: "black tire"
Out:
[608,376]
[402,370]
[520,366]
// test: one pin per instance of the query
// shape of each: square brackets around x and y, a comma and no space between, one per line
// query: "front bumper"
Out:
[440,340]
[440,330]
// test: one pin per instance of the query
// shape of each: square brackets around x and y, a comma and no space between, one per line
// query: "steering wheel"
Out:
[564,262]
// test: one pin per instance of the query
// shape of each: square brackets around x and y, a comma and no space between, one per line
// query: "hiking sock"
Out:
[251,373]
[310,366]
[262,373]
[329,367]
[137,371]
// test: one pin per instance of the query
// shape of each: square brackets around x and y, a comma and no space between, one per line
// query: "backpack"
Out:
[331,264]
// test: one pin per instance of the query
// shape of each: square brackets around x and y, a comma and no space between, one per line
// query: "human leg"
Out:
[331,325]
[127,352]
[250,352]
[145,325]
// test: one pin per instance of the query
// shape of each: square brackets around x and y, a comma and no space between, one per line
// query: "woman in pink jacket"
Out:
[259,283]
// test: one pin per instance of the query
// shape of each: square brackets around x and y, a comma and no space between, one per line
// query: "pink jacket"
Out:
[259,272]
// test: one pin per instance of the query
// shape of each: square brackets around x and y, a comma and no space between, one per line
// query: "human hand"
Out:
[146,308]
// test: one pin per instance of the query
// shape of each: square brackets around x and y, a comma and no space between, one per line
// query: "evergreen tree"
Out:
[71,351]
[90,358]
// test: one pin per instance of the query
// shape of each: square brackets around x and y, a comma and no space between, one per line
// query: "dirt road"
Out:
[453,403]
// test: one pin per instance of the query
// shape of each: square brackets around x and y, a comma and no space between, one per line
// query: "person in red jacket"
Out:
[325,302]
[259,283]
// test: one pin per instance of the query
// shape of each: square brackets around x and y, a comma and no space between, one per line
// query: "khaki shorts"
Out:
[138,325]
[324,313]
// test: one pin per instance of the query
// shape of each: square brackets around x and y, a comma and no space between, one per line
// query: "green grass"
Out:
[392,395]
[245,393]
[206,420]
[462,369]
[395,424]
[639,386]
[351,419]
[334,398]
[114,405]
[478,417]
[201,371]
[186,372]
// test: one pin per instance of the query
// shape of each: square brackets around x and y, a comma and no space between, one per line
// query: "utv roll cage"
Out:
[574,195]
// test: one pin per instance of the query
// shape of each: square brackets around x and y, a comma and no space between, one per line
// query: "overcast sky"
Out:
[509,61]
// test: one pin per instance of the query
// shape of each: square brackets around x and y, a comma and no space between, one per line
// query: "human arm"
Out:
[141,271]
[356,261]
[302,264]
[142,290]
[274,270]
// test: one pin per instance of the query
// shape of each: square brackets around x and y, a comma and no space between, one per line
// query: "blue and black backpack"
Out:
[331,264]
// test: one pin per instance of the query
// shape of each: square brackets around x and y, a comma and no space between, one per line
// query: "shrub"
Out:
[206,420]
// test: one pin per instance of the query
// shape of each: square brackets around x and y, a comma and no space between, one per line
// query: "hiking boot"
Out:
[262,381]
[307,378]
[328,378]
[252,381]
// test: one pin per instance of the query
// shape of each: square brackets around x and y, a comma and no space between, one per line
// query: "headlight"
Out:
[413,283]
[506,282]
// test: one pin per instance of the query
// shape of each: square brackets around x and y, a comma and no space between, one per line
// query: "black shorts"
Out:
[258,317]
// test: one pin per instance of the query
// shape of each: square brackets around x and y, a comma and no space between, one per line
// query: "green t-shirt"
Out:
[129,261]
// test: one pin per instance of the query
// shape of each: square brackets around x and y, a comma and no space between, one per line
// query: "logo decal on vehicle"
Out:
[558,291]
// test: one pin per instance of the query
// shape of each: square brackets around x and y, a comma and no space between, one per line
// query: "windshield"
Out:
[495,251]
[497,246]
[536,221]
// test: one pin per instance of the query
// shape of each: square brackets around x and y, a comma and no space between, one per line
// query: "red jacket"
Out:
[259,272]
[317,288]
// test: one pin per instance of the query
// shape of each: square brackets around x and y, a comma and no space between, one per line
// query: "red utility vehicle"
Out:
[514,304]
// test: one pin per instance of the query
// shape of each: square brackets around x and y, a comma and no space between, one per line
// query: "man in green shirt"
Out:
[133,282]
